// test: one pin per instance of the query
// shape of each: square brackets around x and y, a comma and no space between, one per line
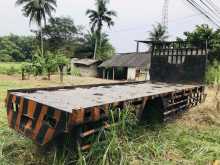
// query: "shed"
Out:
[127,66]
[87,67]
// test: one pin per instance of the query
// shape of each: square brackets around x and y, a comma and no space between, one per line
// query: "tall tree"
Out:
[159,33]
[203,33]
[97,19]
[62,34]
[37,11]
[200,34]
[62,61]
[104,51]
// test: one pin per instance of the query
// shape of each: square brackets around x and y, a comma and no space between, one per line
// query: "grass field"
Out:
[192,139]
[10,67]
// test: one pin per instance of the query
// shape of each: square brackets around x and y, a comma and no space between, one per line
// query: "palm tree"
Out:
[97,19]
[159,33]
[37,11]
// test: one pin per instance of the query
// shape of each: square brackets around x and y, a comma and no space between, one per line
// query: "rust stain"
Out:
[18,120]
[78,116]
[39,122]
[96,114]
[49,135]
[31,108]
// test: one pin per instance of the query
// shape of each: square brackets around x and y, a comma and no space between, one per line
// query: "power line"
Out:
[196,5]
[149,25]
[203,11]
[215,7]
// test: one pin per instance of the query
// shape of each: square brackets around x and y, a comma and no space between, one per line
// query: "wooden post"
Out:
[137,50]
[103,73]
[113,74]
[107,74]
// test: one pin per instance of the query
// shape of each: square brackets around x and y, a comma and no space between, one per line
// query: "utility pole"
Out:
[165,14]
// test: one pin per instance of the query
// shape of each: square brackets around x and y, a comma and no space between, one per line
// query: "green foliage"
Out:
[16,48]
[26,70]
[10,68]
[38,64]
[61,34]
[75,71]
[104,51]
[37,10]
[50,64]
[203,33]
[98,18]
[213,73]
[11,71]
[159,33]
[62,61]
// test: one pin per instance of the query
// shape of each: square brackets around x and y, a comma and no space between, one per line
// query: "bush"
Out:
[75,71]
[213,73]
[10,68]
[12,71]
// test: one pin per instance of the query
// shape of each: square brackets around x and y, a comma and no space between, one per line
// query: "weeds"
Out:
[10,68]
[213,73]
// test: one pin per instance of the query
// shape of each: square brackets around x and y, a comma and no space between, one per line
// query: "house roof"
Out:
[129,60]
[85,61]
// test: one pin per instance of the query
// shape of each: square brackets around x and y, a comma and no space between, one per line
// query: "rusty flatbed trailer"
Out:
[45,113]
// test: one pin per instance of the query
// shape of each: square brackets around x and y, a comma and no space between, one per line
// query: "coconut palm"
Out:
[97,19]
[159,33]
[37,11]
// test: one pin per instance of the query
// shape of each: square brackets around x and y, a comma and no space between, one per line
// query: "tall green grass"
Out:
[10,68]
[213,73]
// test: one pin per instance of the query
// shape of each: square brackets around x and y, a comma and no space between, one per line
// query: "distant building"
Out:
[87,67]
[127,66]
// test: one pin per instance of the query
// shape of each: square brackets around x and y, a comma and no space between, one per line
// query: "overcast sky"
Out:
[134,21]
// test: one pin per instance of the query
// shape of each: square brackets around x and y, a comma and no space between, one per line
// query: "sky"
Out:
[134,21]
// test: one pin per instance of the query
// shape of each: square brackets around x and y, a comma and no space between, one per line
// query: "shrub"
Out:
[75,71]
[10,68]
[213,73]
[11,71]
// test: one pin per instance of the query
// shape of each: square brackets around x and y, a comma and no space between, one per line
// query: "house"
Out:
[87,67]
[127,66]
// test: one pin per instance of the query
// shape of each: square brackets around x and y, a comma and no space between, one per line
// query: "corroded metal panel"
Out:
[178,62]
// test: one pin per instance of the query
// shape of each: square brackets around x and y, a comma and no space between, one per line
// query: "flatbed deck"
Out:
[44,114]
[82,98]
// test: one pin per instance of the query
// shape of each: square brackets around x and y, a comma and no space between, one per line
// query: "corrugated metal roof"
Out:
[129,60]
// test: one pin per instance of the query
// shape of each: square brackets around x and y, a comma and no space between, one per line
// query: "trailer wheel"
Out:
[153,111]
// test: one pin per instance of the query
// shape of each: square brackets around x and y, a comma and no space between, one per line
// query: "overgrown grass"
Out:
[10,68]
[192,139]
[213,73]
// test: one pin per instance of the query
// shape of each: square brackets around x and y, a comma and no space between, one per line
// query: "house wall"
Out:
[131,74]
[88,71]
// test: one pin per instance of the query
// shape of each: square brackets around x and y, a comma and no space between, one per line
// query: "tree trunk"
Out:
[61,73]
[61,76]
[95,51]
[22,74]
[42,41]
[48,75]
